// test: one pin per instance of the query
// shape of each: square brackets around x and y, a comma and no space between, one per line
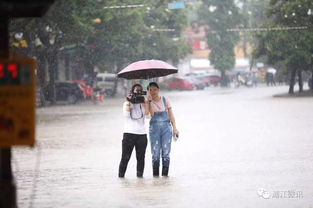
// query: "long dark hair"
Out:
[131,111]
[134,86]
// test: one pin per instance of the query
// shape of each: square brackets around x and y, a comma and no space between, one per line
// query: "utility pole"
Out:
[245,26]
[7,185]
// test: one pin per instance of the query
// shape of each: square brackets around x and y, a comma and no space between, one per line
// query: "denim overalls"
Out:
[160,132]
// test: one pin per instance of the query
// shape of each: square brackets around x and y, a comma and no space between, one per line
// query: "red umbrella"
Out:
[147,69]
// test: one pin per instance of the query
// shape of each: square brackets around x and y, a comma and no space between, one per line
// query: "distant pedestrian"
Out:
[254,79]
[162,127]
[134,109]
[272,79]
[310,83]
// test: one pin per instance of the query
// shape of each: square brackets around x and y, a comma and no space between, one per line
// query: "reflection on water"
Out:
[143,183]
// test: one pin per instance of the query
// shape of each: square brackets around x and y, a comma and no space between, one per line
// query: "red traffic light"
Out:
[9,72]
[12,68]
[1,71]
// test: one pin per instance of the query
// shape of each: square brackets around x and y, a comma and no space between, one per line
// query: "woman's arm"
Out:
[147,107]
[127,108]
[127,105]
[172,119]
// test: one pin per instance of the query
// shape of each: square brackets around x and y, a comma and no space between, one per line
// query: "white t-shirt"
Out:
[134,120]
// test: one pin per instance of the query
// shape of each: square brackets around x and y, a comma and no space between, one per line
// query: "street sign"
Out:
[176,5]
[17,101]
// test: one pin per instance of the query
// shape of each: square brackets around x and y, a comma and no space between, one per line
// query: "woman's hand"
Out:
[129,96]
[149,98]
[175,132]
[146,103]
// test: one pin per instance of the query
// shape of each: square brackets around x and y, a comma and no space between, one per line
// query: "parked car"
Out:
[70,92]
[107,83]
[87,90]
[180,83]
[212,80]
[206,79]
[199,84]
[163,85]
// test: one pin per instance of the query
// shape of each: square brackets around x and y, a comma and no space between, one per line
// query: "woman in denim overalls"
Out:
[162,128]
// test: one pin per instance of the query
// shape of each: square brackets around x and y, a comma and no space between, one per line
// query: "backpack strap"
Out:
[164,103]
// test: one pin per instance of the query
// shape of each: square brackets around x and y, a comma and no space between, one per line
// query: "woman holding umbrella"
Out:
[162,128]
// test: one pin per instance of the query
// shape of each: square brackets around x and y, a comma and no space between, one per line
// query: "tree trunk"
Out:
[300,80]
[88,68]
[292,81]
[41,71]
[116,67]
[67,66]
[311,82]
[52,63]
[244,39]
[56,66]
[224,79]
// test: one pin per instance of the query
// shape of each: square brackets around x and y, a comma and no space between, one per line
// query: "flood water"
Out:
[237,148]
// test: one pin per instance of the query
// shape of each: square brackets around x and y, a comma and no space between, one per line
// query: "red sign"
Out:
[199,45]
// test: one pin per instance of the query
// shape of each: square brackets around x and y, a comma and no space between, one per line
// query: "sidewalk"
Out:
[305,93]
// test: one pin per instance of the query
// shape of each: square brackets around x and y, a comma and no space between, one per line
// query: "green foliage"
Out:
[253,12]
[164,45]
[291,13]
[123,35]
[292,47]
[220,15]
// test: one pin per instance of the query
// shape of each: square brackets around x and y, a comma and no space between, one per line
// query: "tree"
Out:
[66,22]
[220,15]
[118,37]
[128,35]
[165,45]
[149,32]
[253,16]
[292,47]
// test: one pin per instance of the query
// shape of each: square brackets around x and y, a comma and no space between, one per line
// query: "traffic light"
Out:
[14,74]
[17,102]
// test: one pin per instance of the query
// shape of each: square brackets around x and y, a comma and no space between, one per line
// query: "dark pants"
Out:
[139,141]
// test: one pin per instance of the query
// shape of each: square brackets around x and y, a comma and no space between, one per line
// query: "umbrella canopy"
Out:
[147,69]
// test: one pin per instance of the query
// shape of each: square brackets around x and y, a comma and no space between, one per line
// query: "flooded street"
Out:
[237,148]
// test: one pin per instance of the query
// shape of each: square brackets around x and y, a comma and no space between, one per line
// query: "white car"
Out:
[107,83]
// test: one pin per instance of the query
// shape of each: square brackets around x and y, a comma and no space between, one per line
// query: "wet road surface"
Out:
[237,148]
